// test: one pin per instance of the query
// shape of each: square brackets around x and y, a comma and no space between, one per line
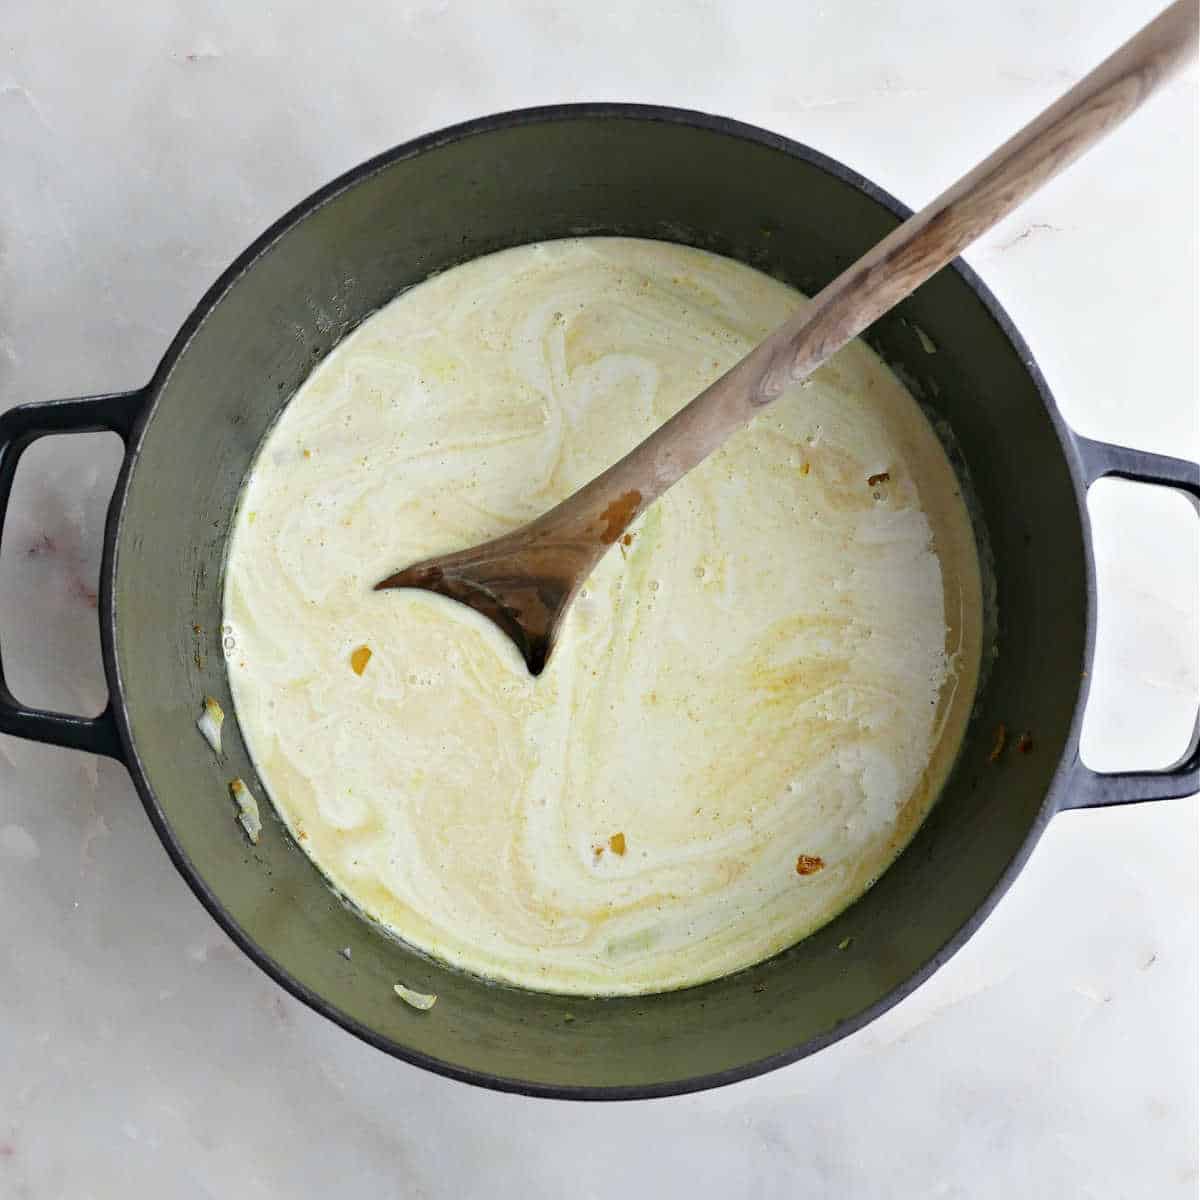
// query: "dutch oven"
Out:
[192,432]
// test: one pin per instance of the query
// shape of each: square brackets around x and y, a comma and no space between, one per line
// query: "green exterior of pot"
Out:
[502,181]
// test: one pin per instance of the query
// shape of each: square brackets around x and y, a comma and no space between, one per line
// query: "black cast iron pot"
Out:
[191,434]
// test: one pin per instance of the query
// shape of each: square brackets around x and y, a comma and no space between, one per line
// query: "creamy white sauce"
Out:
[781,663]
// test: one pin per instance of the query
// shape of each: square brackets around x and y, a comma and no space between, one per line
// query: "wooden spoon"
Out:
[525,580]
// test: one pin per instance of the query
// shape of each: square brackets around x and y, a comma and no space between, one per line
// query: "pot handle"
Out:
[20,427]
[1092,789]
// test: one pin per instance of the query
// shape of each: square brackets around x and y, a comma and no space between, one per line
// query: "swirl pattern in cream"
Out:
[753,704]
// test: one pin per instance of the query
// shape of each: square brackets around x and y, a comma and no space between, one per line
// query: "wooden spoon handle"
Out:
[884,276]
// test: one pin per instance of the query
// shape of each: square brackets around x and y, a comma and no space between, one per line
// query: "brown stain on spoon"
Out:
[618,514]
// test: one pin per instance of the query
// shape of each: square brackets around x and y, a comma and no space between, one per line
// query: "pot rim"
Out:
[515,118]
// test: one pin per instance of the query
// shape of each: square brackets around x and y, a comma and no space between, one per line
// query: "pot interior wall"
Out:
[520,180]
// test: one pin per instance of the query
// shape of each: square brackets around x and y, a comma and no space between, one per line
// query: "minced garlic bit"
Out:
[616,843]
[247,809]
[359,657]
[998,743]
[421,1000]
[809,864]
[209,724]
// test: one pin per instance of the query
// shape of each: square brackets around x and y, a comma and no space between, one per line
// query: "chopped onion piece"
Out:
[247,809]
[422,1000]
[210,722]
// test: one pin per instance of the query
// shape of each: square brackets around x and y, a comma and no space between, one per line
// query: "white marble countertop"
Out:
[142,146]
